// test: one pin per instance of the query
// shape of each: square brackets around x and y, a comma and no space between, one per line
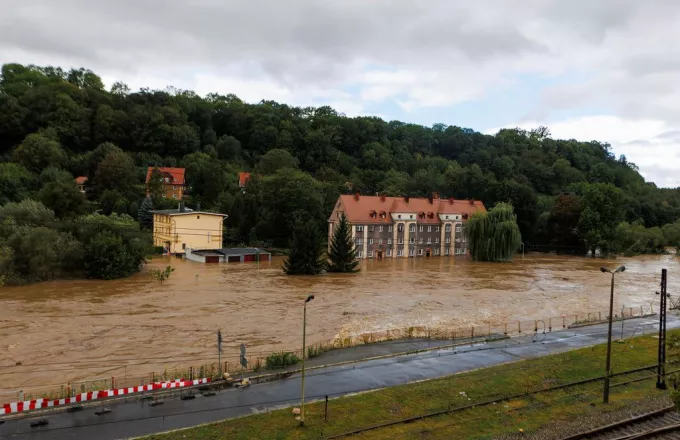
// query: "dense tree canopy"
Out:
[566,194]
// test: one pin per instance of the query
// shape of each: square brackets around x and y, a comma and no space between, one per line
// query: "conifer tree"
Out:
[145,215]
[306,255]
[343,254]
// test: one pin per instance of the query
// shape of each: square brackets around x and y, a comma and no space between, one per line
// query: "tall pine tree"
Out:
[306,254]
[343,254]
[145,215]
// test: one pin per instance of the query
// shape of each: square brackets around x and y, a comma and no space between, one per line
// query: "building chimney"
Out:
[181,206]
[451,200]
[430,198]
[356,196]
[406,199]
[382,197]
[472,201]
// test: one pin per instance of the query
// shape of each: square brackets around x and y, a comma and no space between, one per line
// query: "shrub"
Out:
[282,359]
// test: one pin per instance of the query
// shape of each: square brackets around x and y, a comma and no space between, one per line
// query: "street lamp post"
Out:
[304,334]
[605,396]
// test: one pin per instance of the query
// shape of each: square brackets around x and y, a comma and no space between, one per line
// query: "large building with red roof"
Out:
[393,227]
[172,179]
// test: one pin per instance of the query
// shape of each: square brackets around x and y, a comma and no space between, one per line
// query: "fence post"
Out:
[506,329]
[113,383]
[564,322]
[599,316]
[549,324]
[519,327]
[472,333]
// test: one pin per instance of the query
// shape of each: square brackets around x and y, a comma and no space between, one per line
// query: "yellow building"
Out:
[178,229]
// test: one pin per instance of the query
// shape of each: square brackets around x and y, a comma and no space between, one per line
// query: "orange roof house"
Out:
[243,178]
[80,183]
[405,226]
[172,179]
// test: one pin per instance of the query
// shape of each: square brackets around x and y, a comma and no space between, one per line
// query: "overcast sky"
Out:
[596,69]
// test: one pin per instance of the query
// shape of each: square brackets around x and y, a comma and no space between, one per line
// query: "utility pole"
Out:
[605,394]
[661,369]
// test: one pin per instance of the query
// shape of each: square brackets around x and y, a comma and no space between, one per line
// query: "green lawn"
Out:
[528,413]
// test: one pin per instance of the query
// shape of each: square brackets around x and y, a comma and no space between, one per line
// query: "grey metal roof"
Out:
[243,251]
[186,212]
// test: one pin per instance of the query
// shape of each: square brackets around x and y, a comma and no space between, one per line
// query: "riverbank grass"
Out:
[528,413]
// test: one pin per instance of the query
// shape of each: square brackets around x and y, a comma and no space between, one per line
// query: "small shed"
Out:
[227,255]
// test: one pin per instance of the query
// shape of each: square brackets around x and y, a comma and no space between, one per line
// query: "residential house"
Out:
[80,183]
[392,227]
[178,229]
[243,178]
[172,179]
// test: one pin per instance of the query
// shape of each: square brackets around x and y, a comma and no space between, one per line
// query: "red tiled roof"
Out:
[359,210]
[177,174]
[243,177]
[80,180]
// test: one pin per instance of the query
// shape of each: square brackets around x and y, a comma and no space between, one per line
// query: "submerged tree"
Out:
[343,254]
[493,235]
[306,254]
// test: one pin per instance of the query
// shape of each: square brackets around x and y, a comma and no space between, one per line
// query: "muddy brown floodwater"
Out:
[75,330]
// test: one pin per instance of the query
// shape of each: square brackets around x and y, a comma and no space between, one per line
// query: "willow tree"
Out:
[493,235]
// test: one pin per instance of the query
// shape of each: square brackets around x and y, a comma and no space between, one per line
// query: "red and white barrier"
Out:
[27,405]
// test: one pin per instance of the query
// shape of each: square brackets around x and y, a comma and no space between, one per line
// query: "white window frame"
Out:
[370,228]
[411,252]
[360,228]
[448,239]
[370,254]
[389,252]
[429,240]
[370,241]
[400,240]
[421,228]
[400,252]
[436,228]
[380,228]
[429,228]
[380,241]
[389,228]
[436,240]
[412,228]
[359,241]
[359,254]
[458,227]
[446,251]
[447,228]
[412,240]
[420,252]
[400,227]
[436,252]
[389,241]
[420,240]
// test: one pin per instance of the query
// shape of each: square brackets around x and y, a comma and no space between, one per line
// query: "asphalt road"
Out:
[137,418]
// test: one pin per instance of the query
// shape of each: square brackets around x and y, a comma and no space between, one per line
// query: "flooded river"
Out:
[73,330]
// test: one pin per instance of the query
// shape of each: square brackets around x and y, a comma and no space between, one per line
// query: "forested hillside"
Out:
[57,124]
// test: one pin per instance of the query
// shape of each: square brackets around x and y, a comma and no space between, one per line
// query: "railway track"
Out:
[660,424]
